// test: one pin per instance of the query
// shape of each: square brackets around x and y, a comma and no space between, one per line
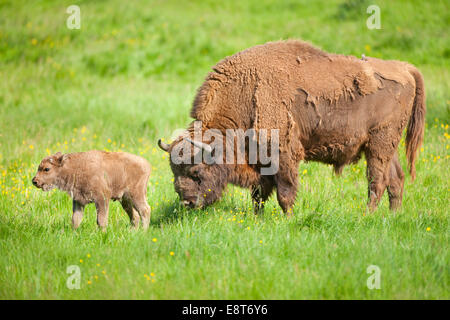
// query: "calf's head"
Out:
[48,172]
[197,184]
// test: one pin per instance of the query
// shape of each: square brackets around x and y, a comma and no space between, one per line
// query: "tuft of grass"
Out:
[127,78]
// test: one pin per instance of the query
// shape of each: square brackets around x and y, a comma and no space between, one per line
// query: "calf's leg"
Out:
[102,206]
[132,213]
[139,200]
[144,210]
[77,216]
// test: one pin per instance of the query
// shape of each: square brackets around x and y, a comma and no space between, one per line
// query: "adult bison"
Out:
[328,107]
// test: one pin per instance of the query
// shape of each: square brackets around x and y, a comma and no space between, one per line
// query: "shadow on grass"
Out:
[312,220]
[170,213]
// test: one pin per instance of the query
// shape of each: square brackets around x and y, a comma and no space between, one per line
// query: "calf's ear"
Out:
[58,159]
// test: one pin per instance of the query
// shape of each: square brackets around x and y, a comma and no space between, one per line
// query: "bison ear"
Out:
[54,158]
[164,146]
[59,159]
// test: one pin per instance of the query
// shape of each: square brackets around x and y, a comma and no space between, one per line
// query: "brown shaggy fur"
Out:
[328,107]
[98,176]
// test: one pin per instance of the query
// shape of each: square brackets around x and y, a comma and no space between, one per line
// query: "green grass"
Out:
[128,77]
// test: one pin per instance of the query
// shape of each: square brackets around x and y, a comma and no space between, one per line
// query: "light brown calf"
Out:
[97,177]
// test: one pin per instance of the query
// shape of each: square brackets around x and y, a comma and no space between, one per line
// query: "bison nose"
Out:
[34,181]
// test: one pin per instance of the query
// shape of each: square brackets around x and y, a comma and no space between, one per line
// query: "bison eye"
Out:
[47,169]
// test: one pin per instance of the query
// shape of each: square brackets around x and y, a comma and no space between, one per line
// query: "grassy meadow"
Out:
[128,77]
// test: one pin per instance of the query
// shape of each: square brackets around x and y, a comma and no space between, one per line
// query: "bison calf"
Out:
[98,176]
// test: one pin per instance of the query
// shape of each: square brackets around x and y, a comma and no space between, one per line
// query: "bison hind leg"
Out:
[396,182]
[380,150]
[138,198]
[144,212]
[132,213]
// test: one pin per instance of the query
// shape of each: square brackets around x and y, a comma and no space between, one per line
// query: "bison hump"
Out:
[269,76]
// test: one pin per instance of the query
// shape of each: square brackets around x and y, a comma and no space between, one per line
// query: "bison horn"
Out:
[206,147]
[163,145]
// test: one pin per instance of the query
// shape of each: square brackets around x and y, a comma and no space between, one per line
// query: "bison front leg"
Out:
[102,206]
[262,192]
[77,216]
[286,181]
[396,182]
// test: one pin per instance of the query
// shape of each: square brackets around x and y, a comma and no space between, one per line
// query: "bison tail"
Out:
[416,125]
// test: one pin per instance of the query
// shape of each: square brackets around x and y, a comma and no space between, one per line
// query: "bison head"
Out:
[48,172]
[197,184]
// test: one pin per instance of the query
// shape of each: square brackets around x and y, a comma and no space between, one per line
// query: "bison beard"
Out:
[329,108]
